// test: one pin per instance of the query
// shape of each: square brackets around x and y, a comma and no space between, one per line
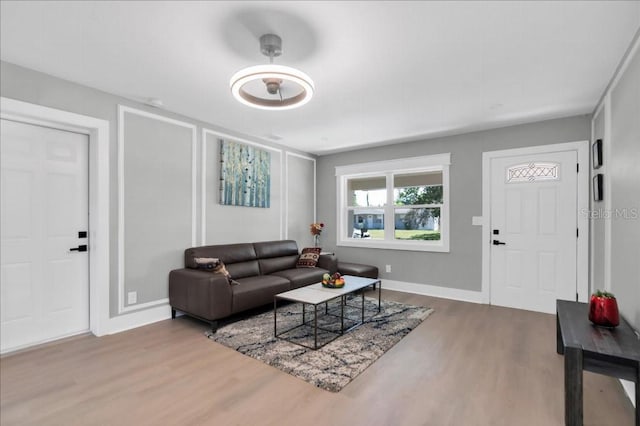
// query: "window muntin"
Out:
[386,205]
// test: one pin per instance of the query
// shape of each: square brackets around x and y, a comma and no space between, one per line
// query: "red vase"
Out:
[604,311]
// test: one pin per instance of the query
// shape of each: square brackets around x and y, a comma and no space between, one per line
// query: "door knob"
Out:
[498,243]
[79,248]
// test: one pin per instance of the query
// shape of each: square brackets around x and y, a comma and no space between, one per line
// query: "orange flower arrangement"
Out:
[316,228]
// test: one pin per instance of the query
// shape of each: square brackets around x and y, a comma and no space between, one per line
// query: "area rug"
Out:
[337,363]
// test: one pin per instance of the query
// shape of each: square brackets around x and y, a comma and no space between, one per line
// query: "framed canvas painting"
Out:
[245,175]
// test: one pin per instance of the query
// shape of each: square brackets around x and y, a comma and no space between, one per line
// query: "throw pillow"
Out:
[215,265]
[309,257]
[206,263]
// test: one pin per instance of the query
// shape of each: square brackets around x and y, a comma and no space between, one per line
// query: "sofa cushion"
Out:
[268,249]
[300,277]
[243,269]
[273,264]
[206,263]
[228,253]
[309,257]
[257,291]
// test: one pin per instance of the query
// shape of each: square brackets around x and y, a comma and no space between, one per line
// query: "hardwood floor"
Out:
[467,364]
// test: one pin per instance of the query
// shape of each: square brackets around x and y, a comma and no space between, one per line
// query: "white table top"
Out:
[316,293]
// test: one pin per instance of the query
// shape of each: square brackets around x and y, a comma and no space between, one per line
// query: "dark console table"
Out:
[614,352]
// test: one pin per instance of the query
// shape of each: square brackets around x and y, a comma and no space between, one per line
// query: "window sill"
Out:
[396,245]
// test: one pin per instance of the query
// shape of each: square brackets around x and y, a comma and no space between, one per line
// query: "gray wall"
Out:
[157,203]
[624,173]
[158,190]
[300,199]
[462,267]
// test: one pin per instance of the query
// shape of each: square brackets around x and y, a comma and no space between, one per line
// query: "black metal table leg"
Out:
[379,293]
[275,316]
[342,315]
[315,326]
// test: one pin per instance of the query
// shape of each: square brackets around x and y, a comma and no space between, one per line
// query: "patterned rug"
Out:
[333,366]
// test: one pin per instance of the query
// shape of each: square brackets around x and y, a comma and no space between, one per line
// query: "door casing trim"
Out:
[582,267]
[98,132]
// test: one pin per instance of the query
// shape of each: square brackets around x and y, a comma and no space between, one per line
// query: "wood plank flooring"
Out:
[467,364]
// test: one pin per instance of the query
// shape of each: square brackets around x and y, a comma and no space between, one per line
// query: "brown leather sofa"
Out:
[261,269]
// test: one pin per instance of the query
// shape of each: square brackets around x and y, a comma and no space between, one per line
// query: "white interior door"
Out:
[44,285]
[534,230]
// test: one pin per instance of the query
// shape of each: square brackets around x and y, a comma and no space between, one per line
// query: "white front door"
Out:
[534,230]
[44,205]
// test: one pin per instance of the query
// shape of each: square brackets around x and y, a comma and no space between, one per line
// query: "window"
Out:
[397,204]
[532,172]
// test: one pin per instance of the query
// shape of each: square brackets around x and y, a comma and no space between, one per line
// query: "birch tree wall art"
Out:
[245,175]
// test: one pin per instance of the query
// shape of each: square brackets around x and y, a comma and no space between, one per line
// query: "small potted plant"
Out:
[603,309]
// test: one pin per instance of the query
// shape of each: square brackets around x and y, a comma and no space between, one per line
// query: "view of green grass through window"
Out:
[417,202]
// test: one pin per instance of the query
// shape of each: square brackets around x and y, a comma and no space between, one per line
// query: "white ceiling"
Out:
[384,71]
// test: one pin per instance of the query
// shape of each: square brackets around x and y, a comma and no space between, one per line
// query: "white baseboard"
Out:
[434,290]
[630,390]
[139,318]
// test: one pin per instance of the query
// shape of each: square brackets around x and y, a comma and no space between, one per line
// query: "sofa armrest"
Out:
[199,293]
[358,269]
[329,262]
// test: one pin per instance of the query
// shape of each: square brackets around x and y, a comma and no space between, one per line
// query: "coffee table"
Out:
[316,295]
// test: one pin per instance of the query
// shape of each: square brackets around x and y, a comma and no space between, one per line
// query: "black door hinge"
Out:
[577,167]
[577,232]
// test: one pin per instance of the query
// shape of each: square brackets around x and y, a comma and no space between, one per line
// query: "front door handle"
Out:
[79,248]
[498,243]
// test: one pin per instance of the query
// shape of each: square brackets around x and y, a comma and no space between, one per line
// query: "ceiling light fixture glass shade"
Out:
[270,86]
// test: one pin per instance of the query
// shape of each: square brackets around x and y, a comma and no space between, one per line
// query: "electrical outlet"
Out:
[132,297]
[388,268]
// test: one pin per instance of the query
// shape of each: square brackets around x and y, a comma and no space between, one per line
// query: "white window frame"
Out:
[430,163]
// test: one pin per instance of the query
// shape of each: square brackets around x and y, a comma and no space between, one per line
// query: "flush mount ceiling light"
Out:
[271,86]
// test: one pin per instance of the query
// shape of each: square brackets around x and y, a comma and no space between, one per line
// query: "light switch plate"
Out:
[477,220]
